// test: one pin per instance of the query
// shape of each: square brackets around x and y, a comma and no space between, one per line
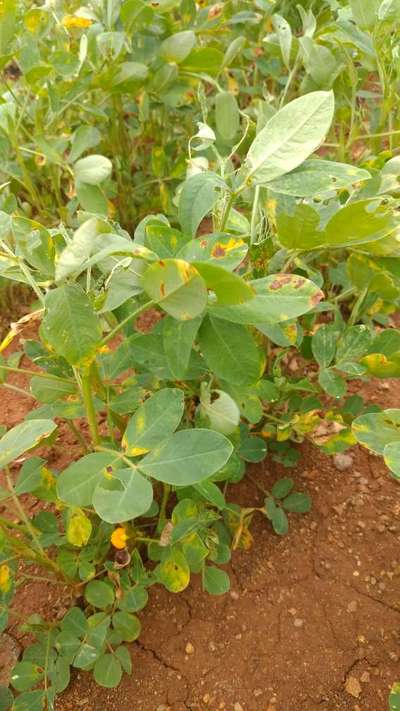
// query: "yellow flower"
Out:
[119,538]
[71,21]
[5,578]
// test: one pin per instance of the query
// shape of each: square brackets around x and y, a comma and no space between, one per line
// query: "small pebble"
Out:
[257,692]
[234,595]
[342,461]
[298,622]
[189,649]
[365,677]
[352,606]
[238,707]
[353,687]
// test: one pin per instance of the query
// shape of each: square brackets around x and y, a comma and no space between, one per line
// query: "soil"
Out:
[312,622]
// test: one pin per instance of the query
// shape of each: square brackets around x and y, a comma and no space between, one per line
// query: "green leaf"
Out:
[85,137]
[125,497]
[134,599]
[212,493]
[99,594]
[187,457]
[173,572]
[124,658]
[177,287]
[222,412]
[317,178]
[30,701]
[215,580]
[290,136]
[353,344]
[70,325]
[26,675]
[205,59]
[197,198]
[76,484]
[365,12]
[79,249]
[391,455]
[282,488]
[22,438]
[231,351]
[394,698]
[279,297]
[93,169]
[128,626]
[229,288]
[108,671]
[178,338]
[252,449]
[92,198]
[178,46]
[378,429]
[156,419]
[323,344]
[6,699]
[285,37]
[75,622]
[332,383]
[277,517]
[48,390]
[30,476]
[359,223]
[227,116]
[297,503]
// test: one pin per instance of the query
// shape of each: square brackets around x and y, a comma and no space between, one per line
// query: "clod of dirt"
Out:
[353,687]
[10,650]
[342,461]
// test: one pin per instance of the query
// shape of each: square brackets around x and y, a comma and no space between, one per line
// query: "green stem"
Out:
[126,320]
[163,508]
[227,210]
[254,215]
[71,425]
[45,560]
[357,308]
[90,408]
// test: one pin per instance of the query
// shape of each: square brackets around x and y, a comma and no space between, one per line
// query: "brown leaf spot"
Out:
[218,251]
[281,281]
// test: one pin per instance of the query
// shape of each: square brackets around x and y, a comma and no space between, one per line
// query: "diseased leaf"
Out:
[22,438]
[279,297]
[177,286]
[70,325]
[156,419]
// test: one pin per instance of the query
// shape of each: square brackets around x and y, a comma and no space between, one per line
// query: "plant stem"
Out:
[126,320]
[254,215]
[163,508]
[75,431]
[227,210]
[90,408]
[45,559]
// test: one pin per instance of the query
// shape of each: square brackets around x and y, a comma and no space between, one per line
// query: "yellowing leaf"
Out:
[79,529]
[74,21]
[5,578]
[174,572]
